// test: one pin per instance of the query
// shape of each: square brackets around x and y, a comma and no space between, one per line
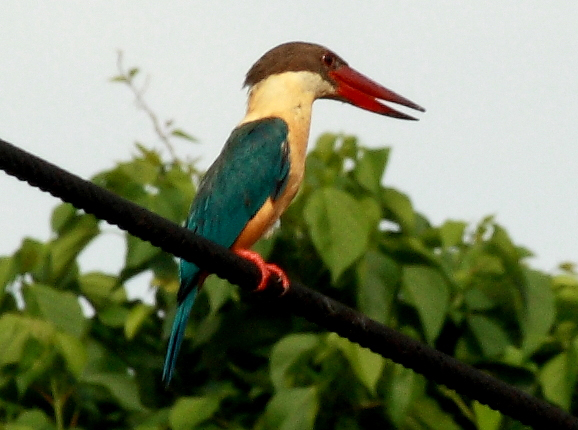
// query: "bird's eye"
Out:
[328,59]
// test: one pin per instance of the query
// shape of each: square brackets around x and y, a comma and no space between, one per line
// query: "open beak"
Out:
[357,89]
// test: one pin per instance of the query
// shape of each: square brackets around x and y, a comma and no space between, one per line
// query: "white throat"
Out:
[288,95]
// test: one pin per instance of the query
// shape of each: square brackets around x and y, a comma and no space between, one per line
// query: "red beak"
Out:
[360,91]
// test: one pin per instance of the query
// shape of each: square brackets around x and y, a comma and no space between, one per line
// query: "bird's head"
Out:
[330,76]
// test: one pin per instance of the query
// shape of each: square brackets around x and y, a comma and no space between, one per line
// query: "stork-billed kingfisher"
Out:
[261,166]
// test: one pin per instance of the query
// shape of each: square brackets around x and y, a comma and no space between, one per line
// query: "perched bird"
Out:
[261,166]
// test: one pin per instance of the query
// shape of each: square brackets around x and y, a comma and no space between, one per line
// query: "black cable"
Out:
[299,299]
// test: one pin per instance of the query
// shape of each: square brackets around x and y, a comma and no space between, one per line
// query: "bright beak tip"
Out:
[403,116]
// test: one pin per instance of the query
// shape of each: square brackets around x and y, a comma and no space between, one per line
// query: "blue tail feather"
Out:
[177,333]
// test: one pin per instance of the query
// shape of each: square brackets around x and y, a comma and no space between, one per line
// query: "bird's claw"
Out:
[267,269]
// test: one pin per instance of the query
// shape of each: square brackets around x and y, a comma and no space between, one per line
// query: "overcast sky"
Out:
[499,81]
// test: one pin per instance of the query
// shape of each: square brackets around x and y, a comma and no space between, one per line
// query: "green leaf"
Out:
[37,363]
[73,352]
[141,171]
[120,183]
[484,263]
[120,385]
[30,256]
[188,412]
[349,148]
[113,315]
[370,167]
[150,155]
[325,146]
[180,179]
[366,364]
[402,385]
[62,215]
[33,419]
[133,72]
[477,300]
[490,336]
[539,312]
[566,291]
[118,78]
[139,253]
[339,229]
[372,211]
[452,233]
[135,319]
[286,353]
[408,249]
[430,295]
[60,308]
[502,245]
[175,193]
[101,360]
[400,207]
[7,273]
[558,379]
[428,413]
[292,409]
[379,279]
[183,135]
[14,331]
[155,420]
[169,202]
[65,248]
[97,286]
[486,417]
[219,291]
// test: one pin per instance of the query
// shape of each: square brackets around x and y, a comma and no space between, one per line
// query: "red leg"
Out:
[266,268]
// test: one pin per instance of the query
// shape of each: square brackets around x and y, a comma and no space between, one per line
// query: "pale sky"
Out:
[499,81]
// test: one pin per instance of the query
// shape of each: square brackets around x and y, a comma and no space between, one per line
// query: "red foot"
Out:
[266,268]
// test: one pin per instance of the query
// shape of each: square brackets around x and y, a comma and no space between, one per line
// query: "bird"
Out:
[260,168]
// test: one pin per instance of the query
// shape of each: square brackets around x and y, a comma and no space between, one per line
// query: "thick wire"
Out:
[298,299]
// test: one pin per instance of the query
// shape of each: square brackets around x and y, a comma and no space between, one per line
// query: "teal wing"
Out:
[253,166]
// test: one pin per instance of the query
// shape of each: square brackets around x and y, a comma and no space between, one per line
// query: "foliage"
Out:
[76,352]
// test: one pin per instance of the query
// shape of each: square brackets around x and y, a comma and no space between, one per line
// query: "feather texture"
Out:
[250,173]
